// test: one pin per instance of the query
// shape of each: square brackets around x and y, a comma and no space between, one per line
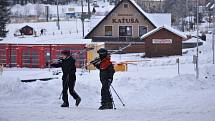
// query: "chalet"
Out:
[125,24]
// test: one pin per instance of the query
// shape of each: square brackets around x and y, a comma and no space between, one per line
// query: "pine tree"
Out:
[4,16]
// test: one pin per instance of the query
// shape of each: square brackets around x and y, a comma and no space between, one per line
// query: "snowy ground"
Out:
[149,94]
[152,91]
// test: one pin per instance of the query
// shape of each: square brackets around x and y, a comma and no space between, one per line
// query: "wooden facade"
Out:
[163,42]
[125,14]
[38,56]
[134,48]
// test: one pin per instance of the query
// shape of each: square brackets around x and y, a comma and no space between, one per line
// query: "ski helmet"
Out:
[102,51]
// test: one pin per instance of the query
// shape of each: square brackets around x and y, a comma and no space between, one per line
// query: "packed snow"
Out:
[152,90]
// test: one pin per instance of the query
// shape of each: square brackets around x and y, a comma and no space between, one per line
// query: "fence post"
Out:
[178,62]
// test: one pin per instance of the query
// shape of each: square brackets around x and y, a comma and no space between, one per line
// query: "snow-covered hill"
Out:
[39,9]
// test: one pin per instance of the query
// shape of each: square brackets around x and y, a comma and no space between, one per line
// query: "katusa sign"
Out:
[125,20]
[162,41]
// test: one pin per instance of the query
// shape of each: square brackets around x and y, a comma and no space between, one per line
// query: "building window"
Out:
[35,58]
[2,55]
[142,30]
[13,57]
[125,5]
[108,30]
[125,30]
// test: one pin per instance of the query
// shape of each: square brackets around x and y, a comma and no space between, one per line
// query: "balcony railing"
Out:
[116,39]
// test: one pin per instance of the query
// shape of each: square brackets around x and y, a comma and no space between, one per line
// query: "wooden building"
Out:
[124,25]
[27,30]
[37,52]
[163,41]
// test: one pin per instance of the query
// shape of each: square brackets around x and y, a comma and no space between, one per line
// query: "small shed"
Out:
[163,41]
[27,30]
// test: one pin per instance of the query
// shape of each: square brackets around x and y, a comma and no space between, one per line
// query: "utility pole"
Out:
[89,12]
[186,10]
[213,34]
[82,17]
[58,18]
[197,43]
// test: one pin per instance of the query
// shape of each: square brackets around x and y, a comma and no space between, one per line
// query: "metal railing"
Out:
[116,39]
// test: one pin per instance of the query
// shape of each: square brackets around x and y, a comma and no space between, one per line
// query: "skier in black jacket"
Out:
[69,78]
[107,71]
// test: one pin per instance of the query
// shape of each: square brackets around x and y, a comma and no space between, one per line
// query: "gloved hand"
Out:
[96,61]
[110,81]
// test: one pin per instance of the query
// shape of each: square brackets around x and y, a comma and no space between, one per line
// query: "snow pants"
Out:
[69,83]
[106,96]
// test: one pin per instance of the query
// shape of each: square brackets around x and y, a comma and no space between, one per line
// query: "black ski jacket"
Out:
[105,74]
[67,65]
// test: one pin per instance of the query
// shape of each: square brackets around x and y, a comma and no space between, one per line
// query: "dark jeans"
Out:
[105,91]
[69,83]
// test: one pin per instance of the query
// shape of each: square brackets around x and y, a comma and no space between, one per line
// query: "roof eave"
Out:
[87,36]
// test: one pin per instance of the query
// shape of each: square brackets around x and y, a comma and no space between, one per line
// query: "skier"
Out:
[69,78]
[1,69]
[107,71]
[41,32]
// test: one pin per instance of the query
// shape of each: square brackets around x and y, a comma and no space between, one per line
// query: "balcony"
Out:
[116,39]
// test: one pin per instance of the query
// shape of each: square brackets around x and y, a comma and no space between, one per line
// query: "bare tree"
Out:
[179,10]
[39,9]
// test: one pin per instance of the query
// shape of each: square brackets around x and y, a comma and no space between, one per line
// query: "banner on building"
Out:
[162,41]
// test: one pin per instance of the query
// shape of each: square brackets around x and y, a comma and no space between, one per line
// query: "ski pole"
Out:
[60,95]
[117,95]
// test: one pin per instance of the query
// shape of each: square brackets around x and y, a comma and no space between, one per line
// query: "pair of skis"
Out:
[114,52]
[80,52]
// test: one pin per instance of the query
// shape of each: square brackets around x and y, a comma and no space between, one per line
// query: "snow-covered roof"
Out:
[193,40]
[207,5]
[161,19]
[177,32]
[44,40]
[152,20]
[143,12]
[158,19]
[94,21]
[212,6]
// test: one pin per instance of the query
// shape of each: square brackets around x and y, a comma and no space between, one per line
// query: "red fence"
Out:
[37,56]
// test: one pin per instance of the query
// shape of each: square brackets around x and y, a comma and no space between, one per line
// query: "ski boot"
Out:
[77,102]
[65,105]
[104,106]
